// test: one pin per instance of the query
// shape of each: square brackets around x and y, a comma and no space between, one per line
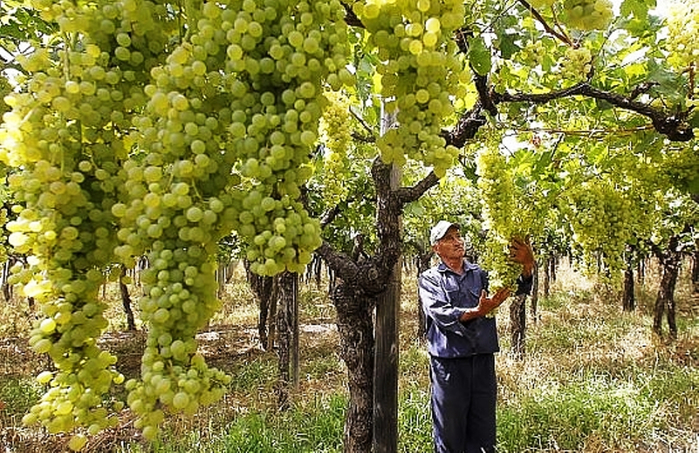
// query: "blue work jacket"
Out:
[445,296]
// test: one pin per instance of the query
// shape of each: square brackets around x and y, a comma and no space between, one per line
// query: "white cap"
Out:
[440,229]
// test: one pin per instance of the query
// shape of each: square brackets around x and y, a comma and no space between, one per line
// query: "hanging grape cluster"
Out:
[504,215]
[175,211]
[577,62]
[279,61]
[63,140]
[683,28]
[335,132]
[588,14]
[419,74]
[603,220]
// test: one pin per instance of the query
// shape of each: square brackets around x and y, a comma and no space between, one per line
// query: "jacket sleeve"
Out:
[436,305]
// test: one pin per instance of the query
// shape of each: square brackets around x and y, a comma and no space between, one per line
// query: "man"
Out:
[462,341]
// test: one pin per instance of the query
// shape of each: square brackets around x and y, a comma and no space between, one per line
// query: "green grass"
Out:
[315,426]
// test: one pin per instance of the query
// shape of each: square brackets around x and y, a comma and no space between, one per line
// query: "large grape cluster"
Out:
[683,28]
[419,74]
[588,14]
[505,219]
[242,94]
[63,140]
[279,61]
[602,221]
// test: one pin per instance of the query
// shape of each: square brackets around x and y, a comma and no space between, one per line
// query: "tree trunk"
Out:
[553,263]
[6,287]
[287,327]
[518,325]
[547,278]
[695,268]
[535,293]
[264,289]
[670,261]
[628,298]
[126,301]
[354,323]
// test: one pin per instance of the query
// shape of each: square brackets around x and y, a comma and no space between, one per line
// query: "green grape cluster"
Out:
[588,14]
[683,28]
[577,62]
[335,132]
[533,53]
[64,139]
[602,220]
[279,62]
[419,75]
[505,219]
[174,211]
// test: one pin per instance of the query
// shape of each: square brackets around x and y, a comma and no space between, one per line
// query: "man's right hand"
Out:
[487,304]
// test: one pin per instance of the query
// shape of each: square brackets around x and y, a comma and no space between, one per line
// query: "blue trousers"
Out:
[464,392]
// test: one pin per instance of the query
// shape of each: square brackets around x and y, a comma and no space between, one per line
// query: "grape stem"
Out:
[560,35]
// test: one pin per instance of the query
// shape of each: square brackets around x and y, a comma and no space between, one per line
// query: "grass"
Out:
[594,379]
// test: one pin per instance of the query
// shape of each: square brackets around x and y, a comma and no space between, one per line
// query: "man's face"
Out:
[451,246]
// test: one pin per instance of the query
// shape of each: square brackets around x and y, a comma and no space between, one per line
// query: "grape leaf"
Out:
[479,56]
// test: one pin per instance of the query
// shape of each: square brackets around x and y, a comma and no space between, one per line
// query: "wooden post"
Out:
[385,436]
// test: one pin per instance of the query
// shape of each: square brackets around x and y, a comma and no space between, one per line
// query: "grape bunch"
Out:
[533,53]
[588,14]
[682,24]
[577,62]
[505,219]
[279,61]
[64,140]
[174,210]
[419,75]
[603,220]
[335,133]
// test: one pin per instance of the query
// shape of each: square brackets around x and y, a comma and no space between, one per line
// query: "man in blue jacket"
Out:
[462,341]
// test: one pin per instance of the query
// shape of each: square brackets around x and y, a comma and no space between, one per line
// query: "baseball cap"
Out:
[440,229]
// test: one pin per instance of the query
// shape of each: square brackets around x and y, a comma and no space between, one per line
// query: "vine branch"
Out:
[675,127]
[560,35]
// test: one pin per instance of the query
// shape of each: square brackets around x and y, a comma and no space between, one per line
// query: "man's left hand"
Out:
[521,252]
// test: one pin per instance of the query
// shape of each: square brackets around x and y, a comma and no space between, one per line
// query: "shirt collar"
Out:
[467,267]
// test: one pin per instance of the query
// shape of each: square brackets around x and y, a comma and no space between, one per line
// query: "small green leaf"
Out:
[479,56]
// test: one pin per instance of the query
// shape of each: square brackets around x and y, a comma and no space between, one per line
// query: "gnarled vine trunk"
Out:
[670,260]
[354,323]
[265,290]
[126,301]
[288,334]
[518,325]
